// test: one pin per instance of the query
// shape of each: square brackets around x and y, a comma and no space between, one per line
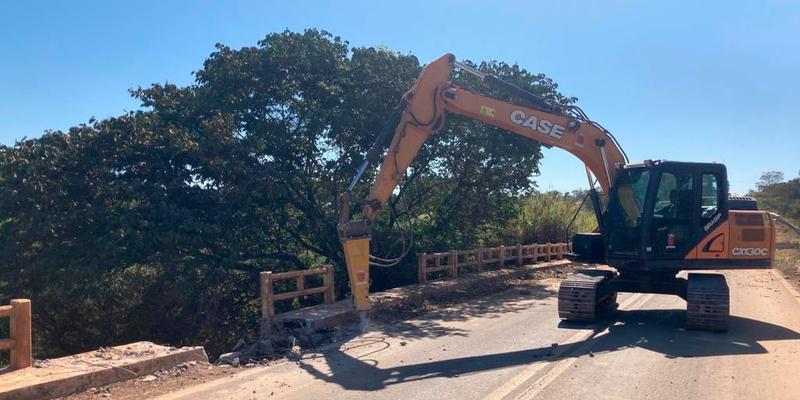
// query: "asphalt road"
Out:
[512,346]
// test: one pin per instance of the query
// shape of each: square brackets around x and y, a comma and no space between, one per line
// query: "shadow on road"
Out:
[656,330]
[461,307]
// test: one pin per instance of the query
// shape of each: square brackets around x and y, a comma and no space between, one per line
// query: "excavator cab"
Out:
[659,210]
[664,217]
[657,213]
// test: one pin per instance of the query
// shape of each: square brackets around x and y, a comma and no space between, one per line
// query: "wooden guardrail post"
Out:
[519,254]
[422,267]
[532,253]
[20,342]
[480,258]
[501,255]
[22,354]
[548,251]
[267,303]
[452,258]
[327,281]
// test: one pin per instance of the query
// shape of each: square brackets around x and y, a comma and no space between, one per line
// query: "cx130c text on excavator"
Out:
[660,217]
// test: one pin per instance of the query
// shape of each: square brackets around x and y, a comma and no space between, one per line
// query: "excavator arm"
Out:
[423,110]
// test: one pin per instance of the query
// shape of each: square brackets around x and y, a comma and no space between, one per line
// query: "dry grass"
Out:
[787,261]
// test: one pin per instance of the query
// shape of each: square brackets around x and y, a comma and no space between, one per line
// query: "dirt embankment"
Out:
[787,260]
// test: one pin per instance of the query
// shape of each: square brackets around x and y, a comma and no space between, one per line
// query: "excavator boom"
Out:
[424,109]
[433,95]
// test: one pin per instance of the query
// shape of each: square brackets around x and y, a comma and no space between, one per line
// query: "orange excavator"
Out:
[660,217]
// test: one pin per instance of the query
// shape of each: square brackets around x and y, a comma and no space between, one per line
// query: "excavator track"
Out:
[581,296]
[707,302]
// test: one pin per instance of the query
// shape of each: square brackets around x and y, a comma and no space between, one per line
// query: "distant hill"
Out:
[780,197]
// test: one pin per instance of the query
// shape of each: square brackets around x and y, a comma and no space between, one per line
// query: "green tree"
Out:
[769,178]
[155,224]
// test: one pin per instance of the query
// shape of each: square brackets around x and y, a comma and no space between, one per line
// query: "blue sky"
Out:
[717,81]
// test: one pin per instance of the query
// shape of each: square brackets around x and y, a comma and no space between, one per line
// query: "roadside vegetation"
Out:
[781,196]
[778,195]
[155,224]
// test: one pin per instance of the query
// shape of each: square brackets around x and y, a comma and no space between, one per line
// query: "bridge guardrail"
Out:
[269,297]
[454,260]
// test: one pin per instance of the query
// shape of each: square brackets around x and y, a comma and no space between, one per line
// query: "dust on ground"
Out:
[161,382]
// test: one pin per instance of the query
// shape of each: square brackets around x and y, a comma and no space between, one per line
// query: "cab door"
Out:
[712,234]
[674,214]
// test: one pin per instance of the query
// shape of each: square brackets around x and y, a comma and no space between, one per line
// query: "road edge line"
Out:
[786,284]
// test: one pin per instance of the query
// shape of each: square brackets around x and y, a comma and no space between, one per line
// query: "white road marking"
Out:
[533,390]
[527,373]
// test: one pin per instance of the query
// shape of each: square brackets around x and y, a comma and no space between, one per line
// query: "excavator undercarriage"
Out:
[583,296]
[587,294]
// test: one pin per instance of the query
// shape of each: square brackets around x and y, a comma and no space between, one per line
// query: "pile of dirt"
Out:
[160,382]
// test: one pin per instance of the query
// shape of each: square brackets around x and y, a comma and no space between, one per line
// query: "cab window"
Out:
[711,195]
[626,207]
[674,196]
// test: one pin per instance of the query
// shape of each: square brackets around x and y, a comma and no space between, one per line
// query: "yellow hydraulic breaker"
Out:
[356,252]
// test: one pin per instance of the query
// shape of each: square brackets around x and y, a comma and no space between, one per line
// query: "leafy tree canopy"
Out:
[769,178]
[155,224]
[776,195]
